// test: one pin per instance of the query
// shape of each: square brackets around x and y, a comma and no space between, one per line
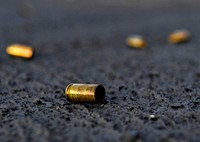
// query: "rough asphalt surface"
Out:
[86,45]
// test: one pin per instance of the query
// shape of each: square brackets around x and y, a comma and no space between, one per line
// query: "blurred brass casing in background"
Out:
[85,93]
[136,41]
[179,36]
[20,50]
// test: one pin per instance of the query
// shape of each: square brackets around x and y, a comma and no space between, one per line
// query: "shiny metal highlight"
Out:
[85,93]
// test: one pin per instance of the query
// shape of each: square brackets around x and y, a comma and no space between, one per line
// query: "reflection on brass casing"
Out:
[179,36]
[20,50]
[136,41]
[85,93]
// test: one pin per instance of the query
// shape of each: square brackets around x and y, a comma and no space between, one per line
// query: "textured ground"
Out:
[86,45]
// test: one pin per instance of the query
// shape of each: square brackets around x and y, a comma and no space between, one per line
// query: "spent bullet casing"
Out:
[136,41]
[179,36]
[85,93]
[20,50]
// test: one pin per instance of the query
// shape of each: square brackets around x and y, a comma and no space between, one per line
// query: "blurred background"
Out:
[65,20]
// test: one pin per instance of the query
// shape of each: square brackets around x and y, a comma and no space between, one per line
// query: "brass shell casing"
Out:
[136,41]
[20,50]
[179,36]
[85,93]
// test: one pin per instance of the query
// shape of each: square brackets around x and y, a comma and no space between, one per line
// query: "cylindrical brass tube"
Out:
[20,50]
[85,93]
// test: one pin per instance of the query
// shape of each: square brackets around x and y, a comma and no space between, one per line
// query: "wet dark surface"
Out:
[86,45]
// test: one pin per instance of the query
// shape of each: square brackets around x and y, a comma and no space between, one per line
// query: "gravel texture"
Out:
[87,45]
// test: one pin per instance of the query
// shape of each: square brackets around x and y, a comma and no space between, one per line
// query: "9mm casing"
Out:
[85,93]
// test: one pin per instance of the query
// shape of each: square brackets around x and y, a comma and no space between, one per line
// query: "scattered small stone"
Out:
[153,117]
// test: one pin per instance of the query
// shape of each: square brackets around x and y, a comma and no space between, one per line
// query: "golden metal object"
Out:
[20,50]
[85,93]
[136,41]
[179,36]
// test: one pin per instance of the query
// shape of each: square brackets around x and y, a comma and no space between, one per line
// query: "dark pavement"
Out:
[85,43]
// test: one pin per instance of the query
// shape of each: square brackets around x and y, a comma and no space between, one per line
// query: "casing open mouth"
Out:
[99,93]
